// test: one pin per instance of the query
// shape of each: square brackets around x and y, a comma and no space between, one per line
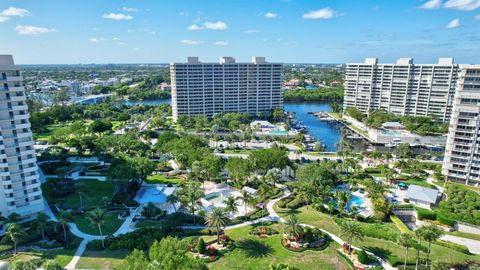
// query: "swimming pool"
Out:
[391,133]
[215,198]
[356,201]
[278,132]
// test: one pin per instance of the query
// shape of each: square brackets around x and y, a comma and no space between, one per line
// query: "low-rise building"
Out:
[423,197]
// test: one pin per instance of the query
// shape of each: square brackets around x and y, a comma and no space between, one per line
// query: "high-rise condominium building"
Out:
[225,87]
[462,155]
[403,88]
[20,188]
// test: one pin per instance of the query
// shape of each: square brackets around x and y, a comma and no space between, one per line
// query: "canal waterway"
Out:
[327,133]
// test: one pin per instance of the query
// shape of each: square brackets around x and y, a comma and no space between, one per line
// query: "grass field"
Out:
[96,190]
[112,223]
[103,259]
[61,256]
[389,250]
[419,181]
[255,253]
[162,179]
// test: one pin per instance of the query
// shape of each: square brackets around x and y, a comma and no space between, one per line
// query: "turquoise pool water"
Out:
[278,132]
[355,201]
[391,133]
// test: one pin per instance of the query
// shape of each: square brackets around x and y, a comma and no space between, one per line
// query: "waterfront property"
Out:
[215,195]
[403,88]
[20,191]
[226,87]
[462,158]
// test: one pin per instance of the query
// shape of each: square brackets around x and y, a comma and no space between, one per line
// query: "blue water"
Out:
[326,133]
[355,201]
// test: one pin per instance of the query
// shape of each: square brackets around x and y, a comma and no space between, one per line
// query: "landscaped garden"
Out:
[162,179]
[253,252]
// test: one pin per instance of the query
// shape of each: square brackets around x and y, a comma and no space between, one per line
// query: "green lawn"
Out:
[386,249]
[255,253]
[112,223]
[45,136]
[419,181]
[162,179]
[61,256]
[96,190]
[103,259]
[147,223]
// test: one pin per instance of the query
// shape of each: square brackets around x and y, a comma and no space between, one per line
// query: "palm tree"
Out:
[231,205]
[419,233]
[404,240]
[400,164]
[81,190]
[273,175]
[64,218]
[388,174]
[41,222]
[245,197]
[432,233]
[217,219]
[172,199]
[264,190]
[351,231]
[15,233]
[97,218]
[293,227]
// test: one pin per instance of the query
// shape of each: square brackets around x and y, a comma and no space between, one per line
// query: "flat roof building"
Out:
[20,190]
[402,88]
[225,87]
[462,155]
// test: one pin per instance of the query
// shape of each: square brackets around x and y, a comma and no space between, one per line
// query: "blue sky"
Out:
[313,31]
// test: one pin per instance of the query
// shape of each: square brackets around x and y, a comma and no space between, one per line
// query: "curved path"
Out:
[125,227]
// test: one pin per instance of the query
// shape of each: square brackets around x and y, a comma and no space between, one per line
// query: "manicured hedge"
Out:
[445,220]
[457,247]
[425,214]
[461,204]
[296,203]
[400,225]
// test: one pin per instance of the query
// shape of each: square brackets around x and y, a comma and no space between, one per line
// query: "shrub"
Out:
[400,225]
[52,265]
[296,203]
[457,247]
[362,257]
[201,246]
[425,214]
[445,220]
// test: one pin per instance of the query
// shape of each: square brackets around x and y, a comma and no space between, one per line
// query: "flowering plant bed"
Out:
[263,232]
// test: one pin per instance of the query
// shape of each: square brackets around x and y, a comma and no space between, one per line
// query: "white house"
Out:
[423,197]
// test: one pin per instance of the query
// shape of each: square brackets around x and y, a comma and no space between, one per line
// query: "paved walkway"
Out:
[472,245]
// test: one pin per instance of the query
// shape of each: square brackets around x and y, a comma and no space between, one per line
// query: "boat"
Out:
[393,143]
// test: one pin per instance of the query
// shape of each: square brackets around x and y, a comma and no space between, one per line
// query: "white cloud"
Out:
[270,15]
[194,27]
[215,25]
[130,9]
[117,16]
[324,13]
[4,19]
[191,42]
[116,39]
[222,43]
[251,31]
[95,40]
[15,12]
[181,13]
[32,30]
[432,4]
[477,17]
[209,25]
[136,49]
[465,5]
[453,24]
